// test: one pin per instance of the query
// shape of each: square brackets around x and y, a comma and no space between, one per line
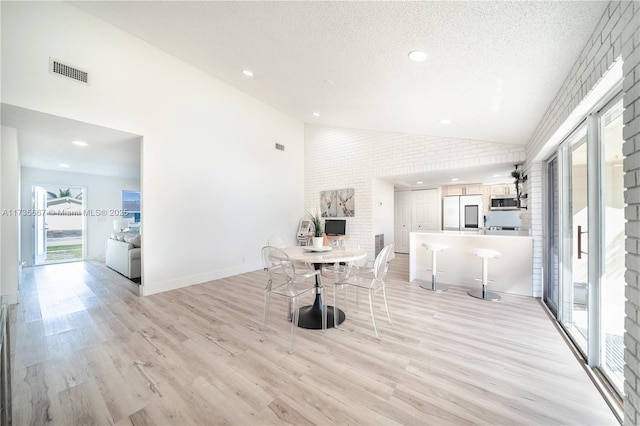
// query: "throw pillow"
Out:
[133,239]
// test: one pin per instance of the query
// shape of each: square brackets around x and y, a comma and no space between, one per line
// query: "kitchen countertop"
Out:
[510,272]
[482,232]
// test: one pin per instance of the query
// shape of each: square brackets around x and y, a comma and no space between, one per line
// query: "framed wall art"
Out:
[337,203]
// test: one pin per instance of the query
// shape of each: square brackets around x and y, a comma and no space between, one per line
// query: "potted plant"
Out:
[317,228]
[519,177]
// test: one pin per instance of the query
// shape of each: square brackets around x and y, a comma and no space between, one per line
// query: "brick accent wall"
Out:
[631,149]
[617,35]
[349,158]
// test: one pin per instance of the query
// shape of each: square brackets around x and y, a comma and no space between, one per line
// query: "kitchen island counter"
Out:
[511,272]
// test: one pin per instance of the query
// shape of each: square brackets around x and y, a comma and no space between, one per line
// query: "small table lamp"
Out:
[120,224]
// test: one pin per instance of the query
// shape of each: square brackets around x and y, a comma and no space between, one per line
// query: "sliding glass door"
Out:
[585,252]
[552,247]
[613,251]
[574,225]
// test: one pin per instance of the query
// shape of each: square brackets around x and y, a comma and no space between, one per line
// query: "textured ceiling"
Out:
[493,67]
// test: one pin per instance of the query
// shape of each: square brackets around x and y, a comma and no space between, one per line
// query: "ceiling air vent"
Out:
[279,146]
[57,67]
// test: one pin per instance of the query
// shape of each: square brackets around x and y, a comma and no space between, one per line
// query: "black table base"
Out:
[311,318]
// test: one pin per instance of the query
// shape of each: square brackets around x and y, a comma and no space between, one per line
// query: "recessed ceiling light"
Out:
[418,56]
[445,121]
[454,179]
[316,114]
[419,182]
[64,165]
[79,143]
[496,176]
[247,73]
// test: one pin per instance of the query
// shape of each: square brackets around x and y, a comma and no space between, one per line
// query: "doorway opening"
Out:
[58,224]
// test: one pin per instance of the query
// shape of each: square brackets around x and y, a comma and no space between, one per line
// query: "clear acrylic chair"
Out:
[278,242]
[284,281]
[372,280]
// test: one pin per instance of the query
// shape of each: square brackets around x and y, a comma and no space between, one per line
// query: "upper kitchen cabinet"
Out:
[469,189]
[503,189]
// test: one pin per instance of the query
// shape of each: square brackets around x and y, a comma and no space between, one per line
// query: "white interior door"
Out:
[425,210]
[40,224]
[402,221]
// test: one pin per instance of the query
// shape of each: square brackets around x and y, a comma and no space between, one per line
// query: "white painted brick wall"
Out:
[630,42]
[616,35]
[350,158]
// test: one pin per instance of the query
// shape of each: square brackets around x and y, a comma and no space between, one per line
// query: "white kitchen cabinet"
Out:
[486,196]
[473,189]
[503,189]
[453,190]
[469,189]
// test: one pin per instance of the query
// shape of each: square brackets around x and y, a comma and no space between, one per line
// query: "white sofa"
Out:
[124,257]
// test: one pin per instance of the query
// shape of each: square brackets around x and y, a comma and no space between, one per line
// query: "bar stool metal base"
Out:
[433,287]
[487,295]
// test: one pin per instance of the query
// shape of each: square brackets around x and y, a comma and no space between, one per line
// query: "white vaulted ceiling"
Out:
[493,67]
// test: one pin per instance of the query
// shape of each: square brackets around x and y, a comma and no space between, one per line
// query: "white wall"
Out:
[351,158]
[208,161]
[383,200]
[101,193]
[10,220]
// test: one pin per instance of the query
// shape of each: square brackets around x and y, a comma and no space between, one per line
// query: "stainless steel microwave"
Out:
[501,202]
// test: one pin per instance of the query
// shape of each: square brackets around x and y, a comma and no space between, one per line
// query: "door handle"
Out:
[580,232]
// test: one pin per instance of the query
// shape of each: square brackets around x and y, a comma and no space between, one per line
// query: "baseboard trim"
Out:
[149,287]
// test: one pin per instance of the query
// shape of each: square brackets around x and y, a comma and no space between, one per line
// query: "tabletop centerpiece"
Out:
[317,228]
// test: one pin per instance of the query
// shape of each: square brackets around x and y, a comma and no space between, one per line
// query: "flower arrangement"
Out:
[317,223]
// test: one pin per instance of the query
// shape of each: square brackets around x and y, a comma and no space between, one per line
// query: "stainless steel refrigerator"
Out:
[462,212]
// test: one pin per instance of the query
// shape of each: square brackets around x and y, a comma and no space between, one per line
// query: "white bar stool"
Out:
[485,254]
[435,248]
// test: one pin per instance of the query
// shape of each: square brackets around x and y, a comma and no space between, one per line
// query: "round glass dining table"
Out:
[311,315]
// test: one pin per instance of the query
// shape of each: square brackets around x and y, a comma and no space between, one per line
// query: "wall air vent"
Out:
[279,146]
[57,67]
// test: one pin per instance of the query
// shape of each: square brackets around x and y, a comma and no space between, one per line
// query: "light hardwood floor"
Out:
[87,350]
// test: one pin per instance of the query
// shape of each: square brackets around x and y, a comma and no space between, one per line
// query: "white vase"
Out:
[317,242]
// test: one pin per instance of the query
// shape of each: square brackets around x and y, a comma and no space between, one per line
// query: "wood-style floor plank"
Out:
[87,350]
